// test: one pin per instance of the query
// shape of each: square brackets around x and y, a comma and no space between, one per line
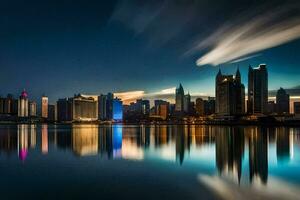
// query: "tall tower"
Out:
[44,107]
[179,99]
[23,105]
[257,89]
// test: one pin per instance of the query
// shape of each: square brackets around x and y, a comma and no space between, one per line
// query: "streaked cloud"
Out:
[235,41]
[245,58]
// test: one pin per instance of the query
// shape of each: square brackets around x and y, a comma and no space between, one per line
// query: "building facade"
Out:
[23,105]
[117,109]
[282,102]
[179,99]
[257,90]
[85,108]
[32,109]
[44,108]
[230,94]
[297,107]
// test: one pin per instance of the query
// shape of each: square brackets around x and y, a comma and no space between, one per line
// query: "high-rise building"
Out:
[143,106]
[117,109]
[258,90]
[230,94]
[52,113]
[109,106]
[64,109]
[179,99]
[200,106]
[282,102]
[187,103]
[23,105]
[297,107]
[44,105]
[102,107]
[32,108]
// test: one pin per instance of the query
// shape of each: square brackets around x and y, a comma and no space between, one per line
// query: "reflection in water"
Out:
[178,143]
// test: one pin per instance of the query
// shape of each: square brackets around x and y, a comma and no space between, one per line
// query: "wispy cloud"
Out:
[235,41]
[246,58]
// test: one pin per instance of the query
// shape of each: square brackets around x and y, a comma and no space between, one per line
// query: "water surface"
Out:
[149,162]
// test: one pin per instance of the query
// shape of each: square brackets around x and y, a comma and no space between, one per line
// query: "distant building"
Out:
[230,94]
[23,105]
[102,107]
[282,102]
[179,99]
[143,106]
[109,106]
[257,90]
[161,109]
[187,103]
[200,106]
[117,109]
[32,109]
[52,113]
[297,107]
[44,105]
[85,108]
[209,106]
[64,110]
[271,107]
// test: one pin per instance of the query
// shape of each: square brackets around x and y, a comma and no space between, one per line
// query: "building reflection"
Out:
[258,154]
[85,140]
[283,144]
[179,143]
[229,151]
[44,138]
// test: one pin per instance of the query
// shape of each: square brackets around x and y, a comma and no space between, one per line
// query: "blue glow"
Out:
[117,110]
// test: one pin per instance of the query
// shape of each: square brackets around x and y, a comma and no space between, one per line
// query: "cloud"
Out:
[245,58]
[234,41]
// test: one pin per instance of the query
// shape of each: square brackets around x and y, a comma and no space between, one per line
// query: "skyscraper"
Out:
[230,94]
[85,108]
[23,105]
[282,101]
[102,107]
[109,106]
[44,107]
[117,109]
[179,99]
[64,109]
[186,103]
[32,108]
[258,90]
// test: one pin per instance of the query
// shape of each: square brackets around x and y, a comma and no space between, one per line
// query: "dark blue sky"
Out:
[64,47]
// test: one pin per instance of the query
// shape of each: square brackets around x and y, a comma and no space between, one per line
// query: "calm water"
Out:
[149,162]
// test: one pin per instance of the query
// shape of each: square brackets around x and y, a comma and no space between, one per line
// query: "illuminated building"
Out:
[282,102]
[85,108]
[52,113]
[117,109]
[257,90]
[163,111]
[44,107]
[32,108]
[179,99]
[23,105]
[230,94]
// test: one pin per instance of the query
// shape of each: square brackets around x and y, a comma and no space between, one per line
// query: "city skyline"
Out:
[104,47]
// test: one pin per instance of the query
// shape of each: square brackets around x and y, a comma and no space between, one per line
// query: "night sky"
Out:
[59,48]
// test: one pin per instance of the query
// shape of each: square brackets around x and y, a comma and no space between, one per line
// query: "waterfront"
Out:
[149,162]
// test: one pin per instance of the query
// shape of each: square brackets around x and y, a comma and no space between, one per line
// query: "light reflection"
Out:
[239,154]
